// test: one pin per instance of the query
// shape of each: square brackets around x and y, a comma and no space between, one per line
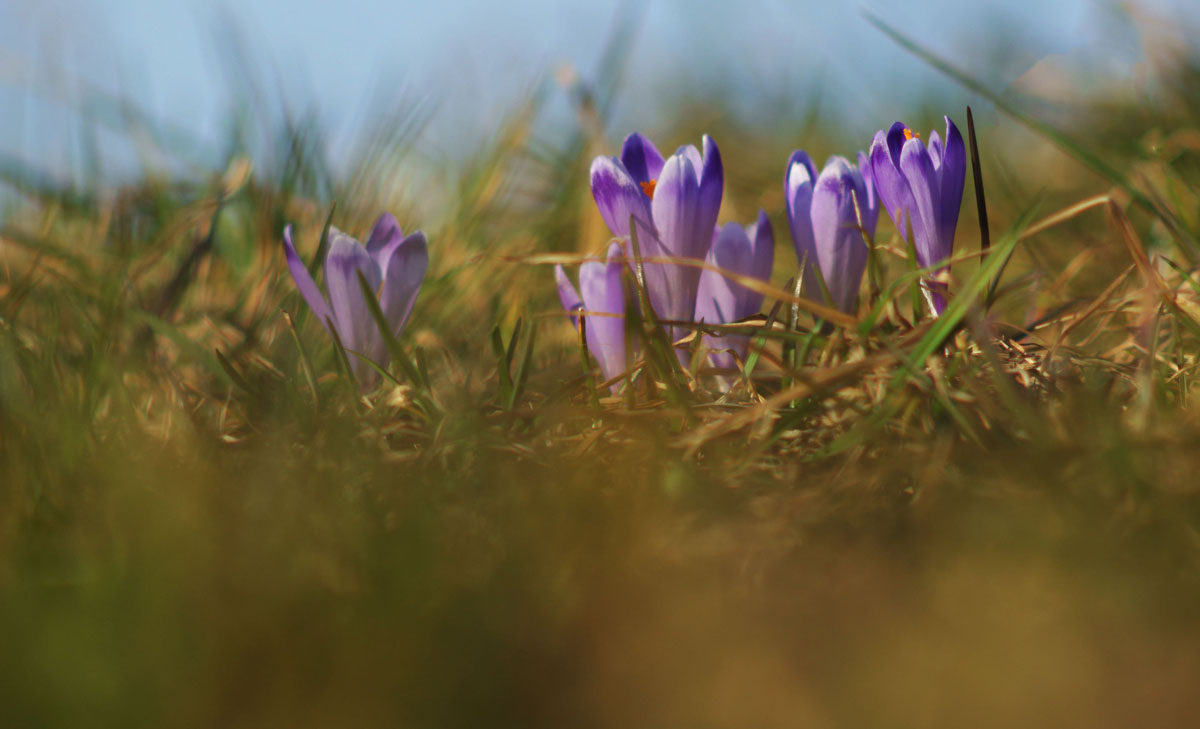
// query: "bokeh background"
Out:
[189,65]
[187,542]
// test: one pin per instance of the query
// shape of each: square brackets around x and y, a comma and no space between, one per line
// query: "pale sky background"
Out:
[473,57]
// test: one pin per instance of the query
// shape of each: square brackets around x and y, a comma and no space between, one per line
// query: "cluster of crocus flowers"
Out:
[922,186]
[393,266]
[673,204]
[601,297]
[693,270]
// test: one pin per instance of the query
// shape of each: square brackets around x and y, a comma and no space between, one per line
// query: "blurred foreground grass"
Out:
[1005,532]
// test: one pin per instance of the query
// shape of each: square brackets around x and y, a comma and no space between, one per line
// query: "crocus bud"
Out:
[922,186]
[825,228]
[393,266]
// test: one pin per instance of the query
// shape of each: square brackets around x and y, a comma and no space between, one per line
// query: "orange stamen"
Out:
[648,188]
[909,134]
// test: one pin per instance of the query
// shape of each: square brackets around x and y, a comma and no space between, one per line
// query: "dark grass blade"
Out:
[343,359]
[318,259]
[238,379]
[382,371]
[789,346]
[760,342]
[504,377]
[985,235]
[523,368]
[511,350]
[585,358]
[394,348]
[173,292]
[696,353]
[633,332]
[306,365]
[423,368]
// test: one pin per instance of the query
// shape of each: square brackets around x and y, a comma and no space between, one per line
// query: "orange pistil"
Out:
[648,188]
[909,134]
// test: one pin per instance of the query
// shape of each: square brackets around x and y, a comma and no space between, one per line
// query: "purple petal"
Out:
[798,186]
[953,174]
[567,295]
[603,293]
[859,186]
[402,279]
[384,238]
[712,186]
[618,196]
[304,282]
[672,287]
[641,158]
[868,203]
[693,155]
[764,250]
[891,186]
[841,252]
[720,300]
[917,167]
[750,252]
[793,179]
[935,150]
[354,322]
[896,137]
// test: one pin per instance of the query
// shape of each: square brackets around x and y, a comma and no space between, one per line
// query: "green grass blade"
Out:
[318,259]
[394,348]
[504,377]
[956,310]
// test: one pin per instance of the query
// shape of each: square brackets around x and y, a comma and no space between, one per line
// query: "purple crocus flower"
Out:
[824,224]
[674,204]
[749,251]
[393,265]
[603,293]
[923,185]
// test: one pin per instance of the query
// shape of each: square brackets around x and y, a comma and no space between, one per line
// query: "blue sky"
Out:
[472,57]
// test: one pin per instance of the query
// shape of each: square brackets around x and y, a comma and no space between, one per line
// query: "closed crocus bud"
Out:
[601,301]
[824,223]
[674,202]
[394,267]
[922,186]
[748,251]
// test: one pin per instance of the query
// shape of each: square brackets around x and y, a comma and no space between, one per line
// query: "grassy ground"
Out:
[992,519]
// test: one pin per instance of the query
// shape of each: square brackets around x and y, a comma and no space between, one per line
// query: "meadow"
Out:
[986,518]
